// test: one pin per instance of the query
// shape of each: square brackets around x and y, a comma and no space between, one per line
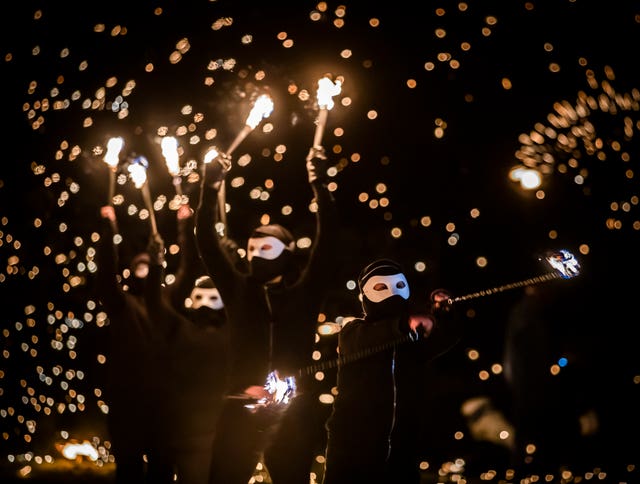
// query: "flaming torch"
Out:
[565,266]
[138,171]
[210,156]
[112,158]
[170,152]
[262,108]
[282,390]
[326,90]
[74,450]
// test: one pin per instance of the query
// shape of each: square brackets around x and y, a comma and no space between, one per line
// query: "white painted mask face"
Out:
[268,247]
[206,296]
[379,288]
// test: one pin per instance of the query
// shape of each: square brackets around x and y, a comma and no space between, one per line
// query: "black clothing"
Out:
[374,427]
[545,408]
[272,326]
[135,376]
[196,359]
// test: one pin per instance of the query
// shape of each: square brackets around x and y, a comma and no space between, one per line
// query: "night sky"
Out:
[439,101]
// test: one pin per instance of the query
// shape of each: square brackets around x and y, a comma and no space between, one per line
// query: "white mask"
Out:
[379,288]
[206,296]
[268,247]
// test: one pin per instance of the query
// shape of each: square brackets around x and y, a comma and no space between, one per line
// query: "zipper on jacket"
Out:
[393,413]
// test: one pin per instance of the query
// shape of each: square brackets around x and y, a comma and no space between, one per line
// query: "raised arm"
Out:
[109,290]
[322,259]
[190,267]
[211,249]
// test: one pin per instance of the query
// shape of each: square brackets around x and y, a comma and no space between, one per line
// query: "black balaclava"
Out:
[384,289]
[267,265]
[207,308]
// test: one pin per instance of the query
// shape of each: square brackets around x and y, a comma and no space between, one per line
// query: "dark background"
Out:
[528,62]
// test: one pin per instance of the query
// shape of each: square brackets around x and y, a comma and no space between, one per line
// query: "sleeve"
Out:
[108,286]
[210,247]
[190,266]
[162,317]
[153,287]
[322,261]
[360,338]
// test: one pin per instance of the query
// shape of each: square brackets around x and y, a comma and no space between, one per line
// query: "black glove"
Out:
[441,301]
[316,164]
[215,171]
[231,247]
[225,161]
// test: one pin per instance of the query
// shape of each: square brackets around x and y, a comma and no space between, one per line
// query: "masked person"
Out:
[546,409]
[196,351]
[135,365]
[272,312]
[374,428]
[197,361]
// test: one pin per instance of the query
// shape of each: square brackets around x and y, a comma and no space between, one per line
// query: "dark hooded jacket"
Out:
[272,325]
[373,430]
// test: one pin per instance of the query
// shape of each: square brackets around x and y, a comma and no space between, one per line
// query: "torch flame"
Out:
[564,262]
[262,108]
[71,451]
[326,90]
[170,153]
[114,146]
[211,155]
[138,171]
[282,390]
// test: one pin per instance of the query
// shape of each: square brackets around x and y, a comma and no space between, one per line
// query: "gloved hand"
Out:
[184,212]
[215,171]
[421,325]
[316,164]
[108,212]
[225,161]
[230,246]
[441,300]
[155,249]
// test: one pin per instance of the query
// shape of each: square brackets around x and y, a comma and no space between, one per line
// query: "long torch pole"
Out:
[321,122]
[111,158]
[262,108]
[222,192]
[283,390]
[564,262]
[112,186]
[147,200]
[112,192]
